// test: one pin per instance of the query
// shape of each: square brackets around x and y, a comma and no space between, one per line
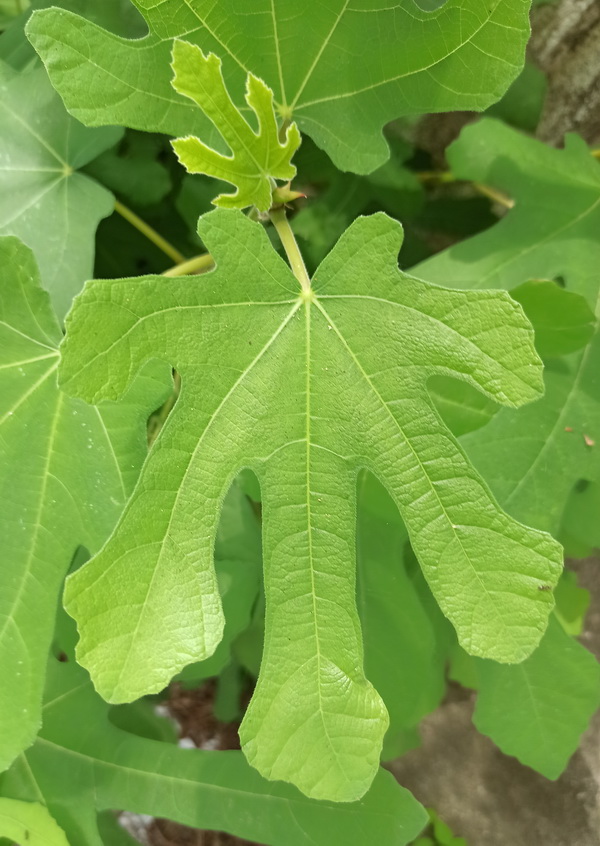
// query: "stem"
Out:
[290,245]
[198,264]
[496,196]
[149,233]
[445,176]
[435,176]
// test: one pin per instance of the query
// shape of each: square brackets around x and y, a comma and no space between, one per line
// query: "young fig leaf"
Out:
[305,388]
[258,158]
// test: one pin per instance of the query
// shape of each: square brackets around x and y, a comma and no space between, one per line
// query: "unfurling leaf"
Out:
[305,388]
[258,158]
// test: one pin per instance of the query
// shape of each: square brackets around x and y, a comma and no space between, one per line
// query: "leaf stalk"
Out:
[290,245]
[150,233]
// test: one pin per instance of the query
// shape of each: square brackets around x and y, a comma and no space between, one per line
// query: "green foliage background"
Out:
[449,506]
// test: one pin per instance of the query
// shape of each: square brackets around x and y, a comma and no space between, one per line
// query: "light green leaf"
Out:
[29,823]
[538,710]
[534,458]
[340,70]
[562,320]
[79,766]
[53,209]
[292,385]
[257,157]
[67,469]
[398,635]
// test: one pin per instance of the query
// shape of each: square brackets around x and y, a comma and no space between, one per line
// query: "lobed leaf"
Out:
[340,70]
[49,503]
[534,459]
[293,386]
[80,766]
[257,158]
[44,201]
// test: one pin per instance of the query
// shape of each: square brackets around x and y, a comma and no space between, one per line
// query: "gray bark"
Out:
[566,46]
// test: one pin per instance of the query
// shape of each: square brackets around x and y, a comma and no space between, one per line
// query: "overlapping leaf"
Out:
[132,169]
[53,209]
[78,767]
[67,469]
[257,158]
[340,70]
[293,386]
[539,709]
[533,459]
[119,16]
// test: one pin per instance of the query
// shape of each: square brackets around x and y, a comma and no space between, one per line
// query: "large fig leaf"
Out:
[305,388]
[67,469]
[341,70]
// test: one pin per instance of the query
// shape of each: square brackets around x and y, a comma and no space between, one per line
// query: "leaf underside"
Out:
[294,387]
